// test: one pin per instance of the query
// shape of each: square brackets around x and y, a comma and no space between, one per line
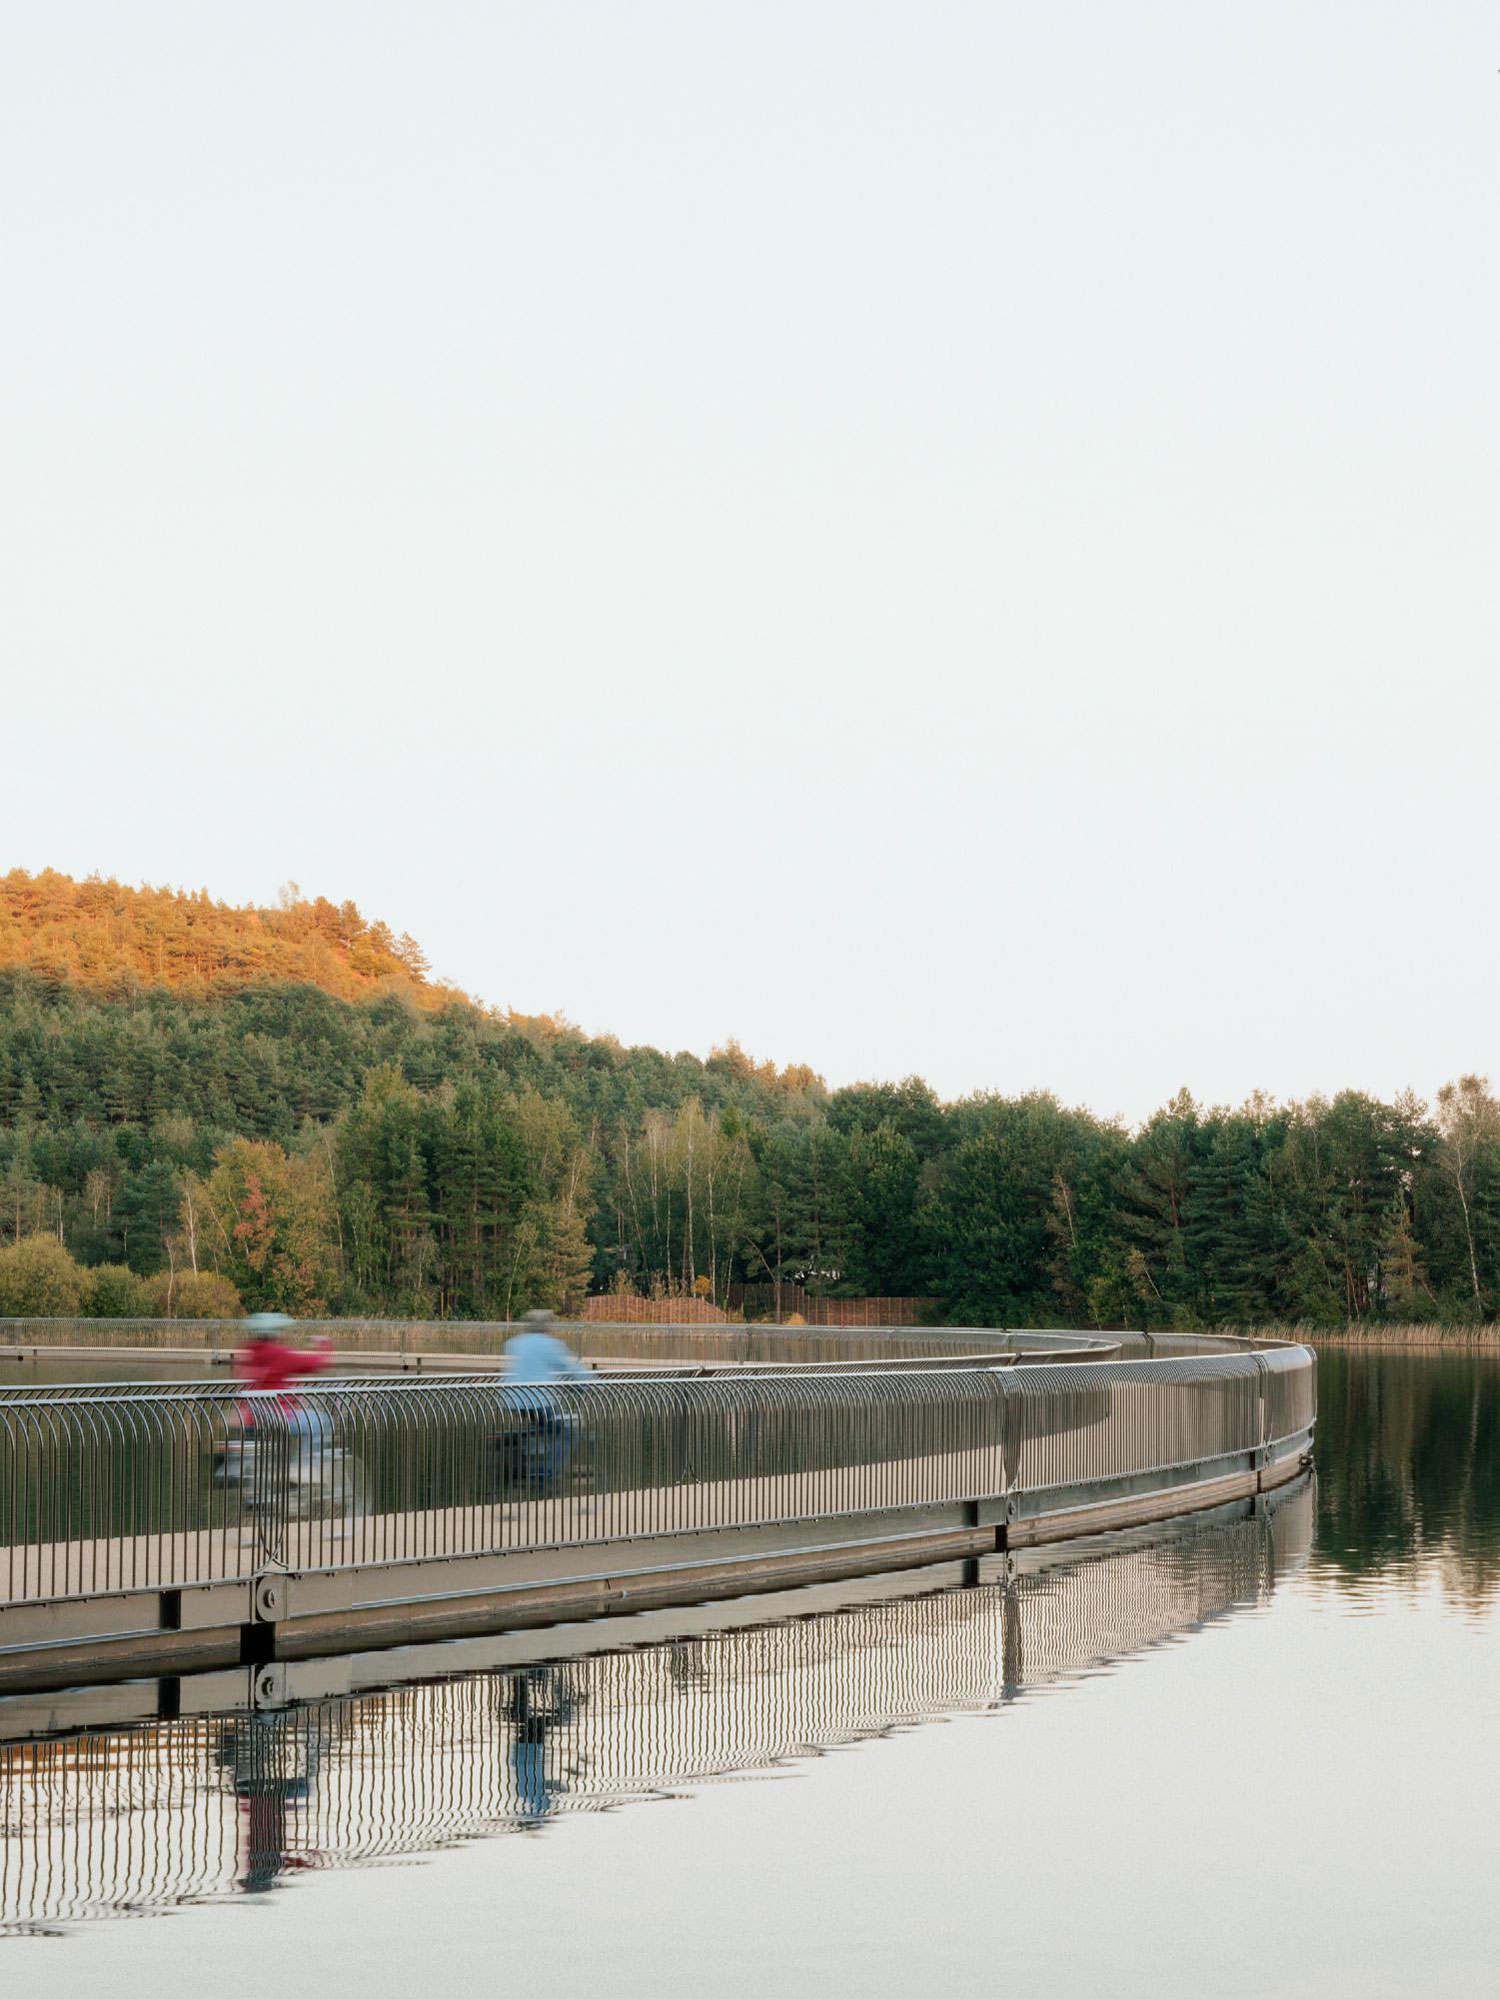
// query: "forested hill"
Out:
[112,939]
[198,1110]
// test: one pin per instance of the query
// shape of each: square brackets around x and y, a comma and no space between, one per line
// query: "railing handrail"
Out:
[71,1394]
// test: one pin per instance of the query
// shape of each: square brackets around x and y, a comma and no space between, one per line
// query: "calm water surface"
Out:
[1240,1755]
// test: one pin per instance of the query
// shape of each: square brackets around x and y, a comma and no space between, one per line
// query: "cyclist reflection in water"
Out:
[537,1701]
[273,1762]
[537,1438]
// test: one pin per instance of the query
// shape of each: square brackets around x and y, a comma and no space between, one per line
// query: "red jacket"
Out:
[269,1364]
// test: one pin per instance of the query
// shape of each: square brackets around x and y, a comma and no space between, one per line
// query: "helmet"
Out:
[539,1317]
[264,1325]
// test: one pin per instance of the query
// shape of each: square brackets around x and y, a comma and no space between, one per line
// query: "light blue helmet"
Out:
[261,1325]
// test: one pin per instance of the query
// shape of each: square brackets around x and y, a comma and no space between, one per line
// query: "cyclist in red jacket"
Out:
[268,1362]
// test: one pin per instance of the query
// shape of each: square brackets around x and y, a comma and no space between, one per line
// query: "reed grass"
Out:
[1385,1333]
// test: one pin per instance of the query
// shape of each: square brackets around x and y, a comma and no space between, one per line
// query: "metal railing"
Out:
[166,1487]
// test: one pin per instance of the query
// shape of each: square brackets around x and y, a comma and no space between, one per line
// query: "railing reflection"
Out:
[141,1820]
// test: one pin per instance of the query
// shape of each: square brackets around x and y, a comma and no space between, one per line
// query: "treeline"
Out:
[395,1156]
[118,940]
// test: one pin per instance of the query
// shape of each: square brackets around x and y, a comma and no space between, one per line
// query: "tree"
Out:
[115,1292]
[882,1175]
[191,1294]
[1468,1121]
[270,1228]
[552,1217]
[146,1214]
[799,1227]
[1155,1198]
[39,1280]
[988,1222]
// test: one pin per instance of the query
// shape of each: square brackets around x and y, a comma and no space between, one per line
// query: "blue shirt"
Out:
[538,1357]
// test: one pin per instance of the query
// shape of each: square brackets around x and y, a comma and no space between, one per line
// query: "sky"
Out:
[951,538]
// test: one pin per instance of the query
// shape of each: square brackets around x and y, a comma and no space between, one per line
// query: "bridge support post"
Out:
[270,1595]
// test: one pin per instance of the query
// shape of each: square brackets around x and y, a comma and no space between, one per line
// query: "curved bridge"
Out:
[140,1534]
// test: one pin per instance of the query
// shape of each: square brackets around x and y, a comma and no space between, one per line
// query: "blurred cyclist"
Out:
[537,1440]
[269,1363]
[538,1355]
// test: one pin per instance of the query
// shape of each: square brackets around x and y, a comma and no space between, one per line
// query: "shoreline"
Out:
[1409,1339]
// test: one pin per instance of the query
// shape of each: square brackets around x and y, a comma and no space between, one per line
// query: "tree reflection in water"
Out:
[1409,1471]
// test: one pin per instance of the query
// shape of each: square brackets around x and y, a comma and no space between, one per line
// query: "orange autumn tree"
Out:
[271,1227]
[113,938]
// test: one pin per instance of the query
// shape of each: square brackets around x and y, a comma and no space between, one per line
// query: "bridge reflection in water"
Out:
[141,1820]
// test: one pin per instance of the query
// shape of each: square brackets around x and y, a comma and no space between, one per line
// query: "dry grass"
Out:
[1385,1334]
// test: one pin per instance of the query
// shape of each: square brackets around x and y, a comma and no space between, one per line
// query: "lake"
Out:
[1239,1754]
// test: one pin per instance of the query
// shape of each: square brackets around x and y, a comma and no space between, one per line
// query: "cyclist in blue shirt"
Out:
[536,1438]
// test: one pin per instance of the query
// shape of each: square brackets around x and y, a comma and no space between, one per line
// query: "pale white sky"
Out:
[942,537]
